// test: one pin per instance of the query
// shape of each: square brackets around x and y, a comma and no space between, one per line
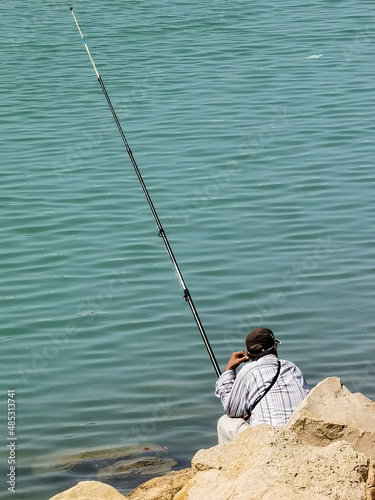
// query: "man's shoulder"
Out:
[253,366]
[287,362]
[287,365]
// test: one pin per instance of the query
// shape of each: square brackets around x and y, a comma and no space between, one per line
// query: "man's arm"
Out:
[233,395]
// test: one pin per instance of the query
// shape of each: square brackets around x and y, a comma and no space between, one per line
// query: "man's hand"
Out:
[236,359]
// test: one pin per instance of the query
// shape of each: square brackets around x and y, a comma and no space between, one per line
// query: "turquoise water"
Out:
[253,126]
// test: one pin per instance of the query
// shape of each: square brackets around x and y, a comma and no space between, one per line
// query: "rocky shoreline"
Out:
[325,452]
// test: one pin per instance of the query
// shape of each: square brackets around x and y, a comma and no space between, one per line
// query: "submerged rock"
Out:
[146,466]
[93,460]
[124,468]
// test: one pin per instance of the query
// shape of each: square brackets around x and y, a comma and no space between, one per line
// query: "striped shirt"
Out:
[238,392]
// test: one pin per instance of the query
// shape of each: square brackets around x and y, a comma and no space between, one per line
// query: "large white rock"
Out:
[331,412]
[336,471]
[90,490]
[252,484]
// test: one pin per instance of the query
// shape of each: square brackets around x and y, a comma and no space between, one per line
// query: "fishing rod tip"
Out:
[71,8]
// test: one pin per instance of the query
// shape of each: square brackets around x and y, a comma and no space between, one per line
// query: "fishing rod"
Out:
[161,233]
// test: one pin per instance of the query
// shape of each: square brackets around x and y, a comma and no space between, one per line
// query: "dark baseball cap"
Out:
[261,337]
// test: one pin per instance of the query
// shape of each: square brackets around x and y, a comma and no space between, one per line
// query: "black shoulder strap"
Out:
[268,388]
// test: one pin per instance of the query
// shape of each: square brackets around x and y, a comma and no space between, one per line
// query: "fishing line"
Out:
[161,233]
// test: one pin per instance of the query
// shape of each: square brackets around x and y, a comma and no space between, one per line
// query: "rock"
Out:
[146,466]
[331,412]
[126,466]
[252,484]
[162,488]
[90,490]
[92,460]
[336,471]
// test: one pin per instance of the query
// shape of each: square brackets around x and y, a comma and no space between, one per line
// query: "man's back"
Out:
[239,392]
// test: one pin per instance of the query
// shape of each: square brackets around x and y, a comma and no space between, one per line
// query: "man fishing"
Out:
[265,391]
